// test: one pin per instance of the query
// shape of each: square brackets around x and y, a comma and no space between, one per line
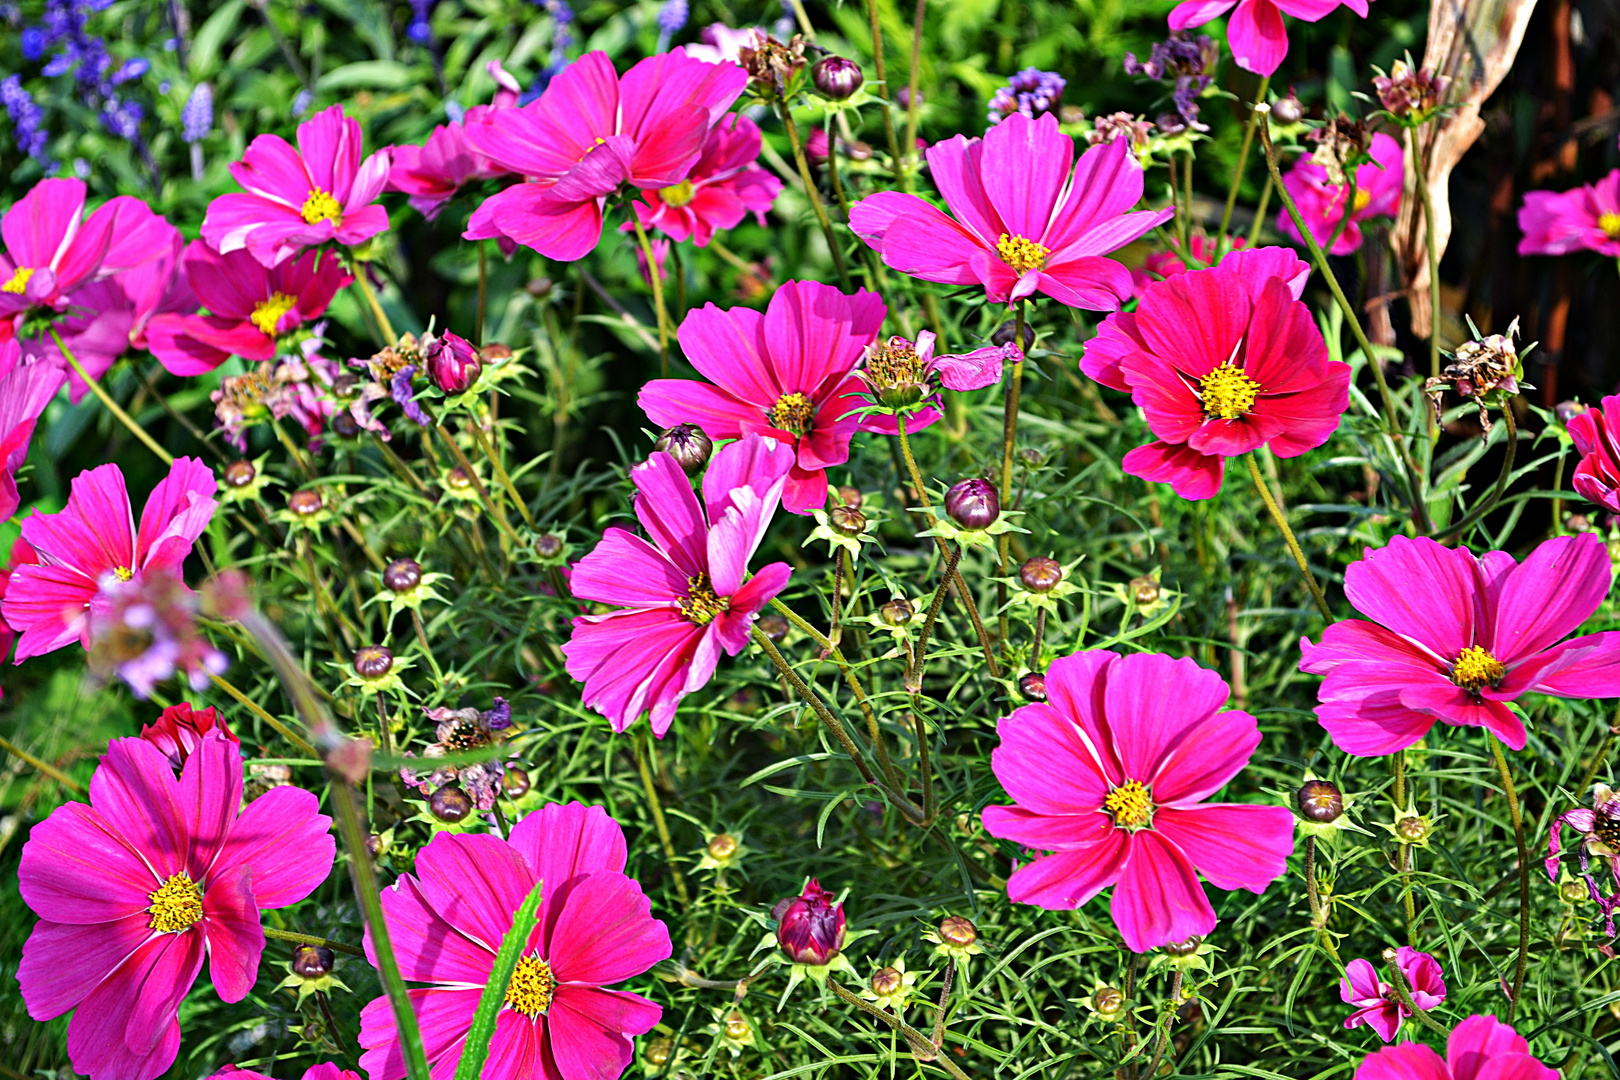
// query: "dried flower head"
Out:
[1479,367]
[1411,95]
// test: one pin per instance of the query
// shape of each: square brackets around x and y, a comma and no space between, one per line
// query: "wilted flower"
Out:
[1411,95]
[771,64]
[1477,368]
[906,378]
[459,731]
[1121,125]
[810,926]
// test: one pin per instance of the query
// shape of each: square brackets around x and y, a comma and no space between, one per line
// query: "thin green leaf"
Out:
[476,1050]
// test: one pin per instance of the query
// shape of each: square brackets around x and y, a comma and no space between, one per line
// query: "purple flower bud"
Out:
[373,661]
[402,575]
[688,445]
[1320,801]
[837,78]
[450,804]
[1041,574]
[1288,110]
[239,473]
[810,927]
[452,362]
[515,782]
[973,504]
[774,626]
[1033,686]
[312,961]
[497,716]
[847,520]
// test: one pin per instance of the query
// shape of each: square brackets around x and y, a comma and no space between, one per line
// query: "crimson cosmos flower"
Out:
[180,729]
[1596,434]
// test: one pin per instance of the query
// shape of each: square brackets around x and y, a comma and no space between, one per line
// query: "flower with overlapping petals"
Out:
[594,928]
[724,187]
[1375,1002]
[1596,434]
[1581,219]
[1110,775]
[153,877]
[1454,637]
[1256,33]
[1321,203]
[681,594]
[432,173]
[1480,1048]
[323,191]
[1023,222]
[1221,362]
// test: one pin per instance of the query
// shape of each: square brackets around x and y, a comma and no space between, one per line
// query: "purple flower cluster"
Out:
[420,31]
[72,49]
[404,394]
[562,36]
[1189,62]
[197,117]
[1030,92]
[27,122]
[672,16]
[145,630]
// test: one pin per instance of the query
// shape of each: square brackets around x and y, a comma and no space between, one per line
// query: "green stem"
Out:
[1433,256]
[384,327]
[311,939]
[816,205]
[483,294]
[1473,516]
[1237,172]
[1175,996]
[490,508]
[1009,434]
[643,750]
[304,746]
[901,177]
[920,652]
[42,766]
[1404,992]
[112,406]
[920,1045]
[657,288]
[500,472]
[1524,872]
[1281,519]
[912,99]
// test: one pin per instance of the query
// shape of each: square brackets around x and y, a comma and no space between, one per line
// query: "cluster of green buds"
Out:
[845,527]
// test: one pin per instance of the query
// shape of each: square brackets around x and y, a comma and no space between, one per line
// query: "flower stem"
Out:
[483,294]
[277,726]
[657,288]
[920,652]
[1175,995]
[1281,519]
[500,472]
[921,1047]
[912,100]
[643,750]
[1404,992]
[1478,512]
[42,766]
[310,939]
[490,508]
[901,177]
[1524,872]
[813,195]
[1009,433]
[385,327]
[1433,255]
[1237,171]
[112,406]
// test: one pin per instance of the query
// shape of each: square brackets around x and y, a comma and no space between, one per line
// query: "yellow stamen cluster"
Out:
[123,573]
[793,413]
[531,987]
[678,194]
[1130,804]
[1227,393]
[701,605]
[17,284]
[1610,224]
[320,206]
[1022,254]
[267,313]
[1362,200]
[176,905]
[1476,668]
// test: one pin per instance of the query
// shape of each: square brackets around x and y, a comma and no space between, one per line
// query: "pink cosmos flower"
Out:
[1256,33]
[595,927]
[155,875]
[1480,1048]
[1376,1003]
[324,1071]
[250,306]
[94,536]
[321,192]
[1110,774]
[787,374]
[1584,218]
[1023,223]
[432,173]
[1221,362]
[26,387]
[1598,837]
[724,187]
[1321,204]
[682,594]
[590,132]
[1455,638]
[1163,264]
[1596,434]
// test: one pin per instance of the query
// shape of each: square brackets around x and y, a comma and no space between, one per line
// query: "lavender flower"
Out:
[197,118]
[1031,92]
[404,394]
[1187,61]
[25,117]
[673,15]
[420,31]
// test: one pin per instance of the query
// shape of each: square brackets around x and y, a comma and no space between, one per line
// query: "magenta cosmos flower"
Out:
[1455,638]
[324,1071]
[681,593]
[1111,773]
[1256,34]
[25,389]
[1480,1048]
[590,133]
[1375,1002]
[432,173]
[448,919]
[1163,264]
[1222,361]
[155,875]
[96,536]
[1024,224]
[724,187]
[1321,204]
[1596,434]
[249,307]
[323,191]
[787,373]
[1581,219]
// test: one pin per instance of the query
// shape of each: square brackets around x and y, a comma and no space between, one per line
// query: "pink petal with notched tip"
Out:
[734,627]
[515,1051]
[629,660]
[1460,708]
[134,790]
[444,1015]
[813,331]
[175,514]
[1158,900]
[41,225]
[48,605]
[721,414]
[806,490]
[1309,417]
[210,795]
[1372,725]
[588,1030]
[1198,12]
[1229,438]
[1423,591]
[928,245]
[1024,168]
[1232,846]
[1034,737]
[76,869]
[1283,350]
[1105,354]
[1550,595]
[560,230]
[287,844]
[1409,1061]
[94,533]
[1360,984]
[1069,879]
[1156,708]
[604,932]
[271,170]
[1087,281]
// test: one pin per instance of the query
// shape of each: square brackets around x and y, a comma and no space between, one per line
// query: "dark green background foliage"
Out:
[745,757]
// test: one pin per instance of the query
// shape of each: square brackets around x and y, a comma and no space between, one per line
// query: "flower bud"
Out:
[1184,948]
[1170,123]
[515,782]
[1145,590]
[774,626]
[722,846]
[345,426]
[973,504]
[847,520]
[1565,411]
[180,730]
[886,981]
[1412,830]
[452,362]
[958,931]
[1041,574]
[1033,686]
[837,78]
[816,148]
[897,612]
[539,287]
[373,661]
[738,1028]
[312,961]
[458,479]
[857,150]
[850,496]
[1320,801]
[240,473]
[1003,335]
[903,98]
[810,927]
[1288,110]
[658,1052]
[688,445]
[450,804]
[548,545]
[1108,1001]
[402,575]
[374,845]
[305,503]
[1572,892]
[494,351]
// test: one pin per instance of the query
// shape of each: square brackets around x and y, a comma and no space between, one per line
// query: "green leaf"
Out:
[370,75]
[476,1049]
[206,45]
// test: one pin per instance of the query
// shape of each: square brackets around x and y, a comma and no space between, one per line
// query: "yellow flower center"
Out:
[792,413]
[1021,254]
[701,605]
[1609,223]
[1362,200]
[1130,804]
[678,194]
[1227,393]
[531,987]
[176,905]
[18,283]
[123,573]
[321,207]
[267,313]
[1476,668]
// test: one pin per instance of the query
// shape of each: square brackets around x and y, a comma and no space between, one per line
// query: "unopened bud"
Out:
[1288,110]
[515,782]
[958,931]
[1572,892]
[457,478]
[305,503]
[402,575]
[774,626]
[1320,801]
[897,612]
[847,520]
[722,846]
[548,545]
[1108,1002]
[810,927]
[837,78]
[240,474]
[539,287]
[373,661]
[1184,948]
[345,426]
[738,1029]
[374,845]
[1412,829]
[886,980]
[658,1052]
[973,504]
[1041,574]
[312,961]
[1003,334]
[452,362]
[688,445]
[1033,686]
[450,804]
[1145,590]
[494,351]
[850,496]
